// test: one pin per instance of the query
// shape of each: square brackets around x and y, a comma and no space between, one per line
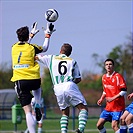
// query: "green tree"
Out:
[5,76]
[122,56]
[90,81]
[47,87]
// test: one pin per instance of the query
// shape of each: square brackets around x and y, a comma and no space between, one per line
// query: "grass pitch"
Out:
[51,125]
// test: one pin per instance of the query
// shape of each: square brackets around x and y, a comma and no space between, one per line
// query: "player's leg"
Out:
[75,97]
[129,122]
[39,130]
[64,107]
[100,125]
[37,95]
[24,96]
[115,125]
[130,127]
[123,126]
[115,120]
[83,117]
[33,102]
[129,118]
[33,113]
[104,117]
[64,120]
[29,119]
[26,131]
[34,117]
[40,124]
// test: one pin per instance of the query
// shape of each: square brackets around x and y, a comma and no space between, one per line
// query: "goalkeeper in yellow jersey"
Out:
[26,71]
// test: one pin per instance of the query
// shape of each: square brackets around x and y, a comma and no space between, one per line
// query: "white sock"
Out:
[37,95]
[26,131]
[34,117]
[30,123]
[39,130]
[130,126]
[123,127]
[102,130]
[118,131]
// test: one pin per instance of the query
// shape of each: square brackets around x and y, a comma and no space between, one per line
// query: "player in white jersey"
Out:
[65,76]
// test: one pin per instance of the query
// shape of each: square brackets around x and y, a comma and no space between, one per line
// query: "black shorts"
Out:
[23,89]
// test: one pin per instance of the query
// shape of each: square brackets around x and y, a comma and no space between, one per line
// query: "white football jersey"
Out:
[61,67]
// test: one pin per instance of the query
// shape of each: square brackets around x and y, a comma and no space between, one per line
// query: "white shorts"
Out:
[67,94]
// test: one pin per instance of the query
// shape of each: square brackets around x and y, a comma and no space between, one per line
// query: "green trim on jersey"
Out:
[50,69]
[61,68]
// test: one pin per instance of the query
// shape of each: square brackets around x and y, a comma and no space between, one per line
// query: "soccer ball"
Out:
[51,15]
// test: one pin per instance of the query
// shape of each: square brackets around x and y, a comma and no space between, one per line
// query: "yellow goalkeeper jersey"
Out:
[23,63]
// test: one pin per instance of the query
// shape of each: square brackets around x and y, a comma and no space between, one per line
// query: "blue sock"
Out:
[123,129]
[102,130]
[130,130]
[130,127]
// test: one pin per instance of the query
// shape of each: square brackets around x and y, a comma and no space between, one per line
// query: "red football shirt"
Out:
[112,86]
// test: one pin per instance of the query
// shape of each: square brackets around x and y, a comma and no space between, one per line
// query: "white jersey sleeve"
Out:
[62,68]
[45,59]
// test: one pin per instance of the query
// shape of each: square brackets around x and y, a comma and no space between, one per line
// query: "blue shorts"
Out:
[130,108]
[110,116]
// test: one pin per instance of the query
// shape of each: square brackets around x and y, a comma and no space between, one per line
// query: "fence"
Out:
[7,99]
[52,112]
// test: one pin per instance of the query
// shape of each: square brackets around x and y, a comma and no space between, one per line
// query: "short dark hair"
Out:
[23,33]
[66,49]
[109,60]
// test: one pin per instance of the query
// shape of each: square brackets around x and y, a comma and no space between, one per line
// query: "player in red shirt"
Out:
[114,89]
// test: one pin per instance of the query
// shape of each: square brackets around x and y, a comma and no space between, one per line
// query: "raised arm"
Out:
[47,34]
[33,32]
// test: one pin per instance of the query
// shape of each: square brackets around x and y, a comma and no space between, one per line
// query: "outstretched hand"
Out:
[49,29]
[34,30]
